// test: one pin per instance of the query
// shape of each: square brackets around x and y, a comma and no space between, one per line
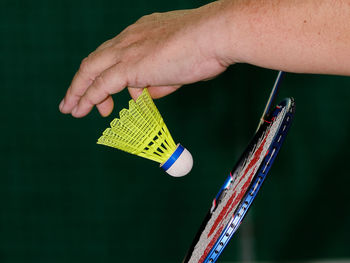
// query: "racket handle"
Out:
[272,97]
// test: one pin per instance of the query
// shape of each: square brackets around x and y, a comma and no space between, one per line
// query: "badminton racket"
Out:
[239,190]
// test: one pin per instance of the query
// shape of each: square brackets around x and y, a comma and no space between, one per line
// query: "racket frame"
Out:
[259,177]
[257,181]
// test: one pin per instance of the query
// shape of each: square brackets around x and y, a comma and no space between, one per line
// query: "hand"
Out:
[161,51]
[164,51]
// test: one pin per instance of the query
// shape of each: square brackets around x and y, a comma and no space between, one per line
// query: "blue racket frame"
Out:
[254,187]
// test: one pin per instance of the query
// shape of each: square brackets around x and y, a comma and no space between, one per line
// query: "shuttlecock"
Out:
[140,130]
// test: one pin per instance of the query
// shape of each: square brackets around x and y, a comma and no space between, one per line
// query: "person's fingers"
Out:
[90,68]
[106,107]
[155,92]
[135,92]
[158,92]
[110,81]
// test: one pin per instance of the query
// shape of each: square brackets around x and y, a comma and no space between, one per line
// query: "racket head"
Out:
[239,190]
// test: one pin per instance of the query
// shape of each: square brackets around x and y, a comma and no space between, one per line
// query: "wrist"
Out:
[223,40]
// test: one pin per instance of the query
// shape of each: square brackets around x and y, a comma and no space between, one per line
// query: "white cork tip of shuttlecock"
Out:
[179,163]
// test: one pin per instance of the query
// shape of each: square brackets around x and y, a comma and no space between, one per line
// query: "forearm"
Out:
[308,36]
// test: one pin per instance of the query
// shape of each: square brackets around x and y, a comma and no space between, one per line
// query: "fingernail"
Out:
[74,111]
[61,105]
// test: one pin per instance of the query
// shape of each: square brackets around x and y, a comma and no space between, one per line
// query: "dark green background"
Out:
[66,199]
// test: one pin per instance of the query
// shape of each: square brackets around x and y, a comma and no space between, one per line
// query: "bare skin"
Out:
[164,51]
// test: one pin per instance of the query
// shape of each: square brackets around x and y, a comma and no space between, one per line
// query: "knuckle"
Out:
[100,82]
[155,14]
[148,17]
[105,44]
[128,30]
[141,19]
[84,65]
[87,100]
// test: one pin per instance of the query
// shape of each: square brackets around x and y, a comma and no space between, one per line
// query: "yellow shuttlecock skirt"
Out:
[140,130]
